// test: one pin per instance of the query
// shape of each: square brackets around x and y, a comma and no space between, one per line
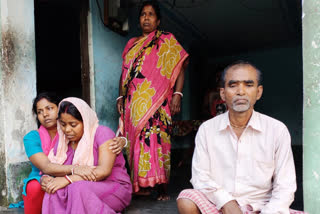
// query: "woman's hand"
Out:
[86,172]
[45,179]
[56,184]
[175,104]
[120,105]
[117,145]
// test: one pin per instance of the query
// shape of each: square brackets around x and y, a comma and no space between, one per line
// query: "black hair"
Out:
[69,108]
[154,5]
[240,63]
[50,96]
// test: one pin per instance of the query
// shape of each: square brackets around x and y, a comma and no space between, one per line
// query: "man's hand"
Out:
[117,145]
[231,207]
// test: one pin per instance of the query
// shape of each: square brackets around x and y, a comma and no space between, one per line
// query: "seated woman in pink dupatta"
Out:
[38,144]
[86,143]
[150,92]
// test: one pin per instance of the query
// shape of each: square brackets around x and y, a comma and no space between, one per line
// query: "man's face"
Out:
[241,90]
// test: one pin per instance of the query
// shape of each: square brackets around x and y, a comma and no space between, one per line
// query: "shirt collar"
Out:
[254,121]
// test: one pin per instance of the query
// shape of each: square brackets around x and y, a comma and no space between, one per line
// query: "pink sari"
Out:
[150,68]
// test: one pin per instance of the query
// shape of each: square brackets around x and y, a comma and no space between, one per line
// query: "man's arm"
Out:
[284,178]
[201,178]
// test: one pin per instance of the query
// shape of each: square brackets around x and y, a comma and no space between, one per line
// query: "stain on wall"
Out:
[3,178]
[17,172]
[8,52]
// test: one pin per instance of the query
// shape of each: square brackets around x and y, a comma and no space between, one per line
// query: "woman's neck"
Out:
[52,132]
[74,144]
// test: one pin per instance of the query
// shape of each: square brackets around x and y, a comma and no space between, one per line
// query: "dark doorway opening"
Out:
[58,55]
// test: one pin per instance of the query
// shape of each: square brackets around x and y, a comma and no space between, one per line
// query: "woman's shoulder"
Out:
[131,41]
[167,34]
[104,133]
[32,143]
[34,134]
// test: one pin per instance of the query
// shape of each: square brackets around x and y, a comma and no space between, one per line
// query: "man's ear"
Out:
[222,95]
[260,90]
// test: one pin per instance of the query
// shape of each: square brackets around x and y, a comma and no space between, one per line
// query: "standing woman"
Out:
[150,91]
[86,143]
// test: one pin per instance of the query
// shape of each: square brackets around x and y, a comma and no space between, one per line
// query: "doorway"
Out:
[61,47]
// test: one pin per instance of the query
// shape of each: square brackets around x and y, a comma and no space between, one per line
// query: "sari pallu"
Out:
[150,68]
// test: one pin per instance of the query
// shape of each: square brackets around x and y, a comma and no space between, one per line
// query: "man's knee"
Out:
[186,206]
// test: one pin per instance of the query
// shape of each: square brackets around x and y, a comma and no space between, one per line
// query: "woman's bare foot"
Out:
[143,192]
[163,193]
[163,198]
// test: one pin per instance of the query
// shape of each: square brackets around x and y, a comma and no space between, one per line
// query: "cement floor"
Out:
[180,177]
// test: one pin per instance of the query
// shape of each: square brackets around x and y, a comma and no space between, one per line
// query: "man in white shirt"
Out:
[242,161]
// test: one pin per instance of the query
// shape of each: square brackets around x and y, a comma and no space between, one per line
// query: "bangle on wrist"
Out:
[120,97]
[69,179]
[179,93]
[125,145]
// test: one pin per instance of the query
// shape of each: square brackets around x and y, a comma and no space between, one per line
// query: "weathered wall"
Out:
[311,107]
[18,88]
[107,48]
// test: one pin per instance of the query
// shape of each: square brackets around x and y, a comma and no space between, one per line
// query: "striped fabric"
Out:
[206,207]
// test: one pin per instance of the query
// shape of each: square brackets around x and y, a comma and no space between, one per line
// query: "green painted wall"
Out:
[311,107]
[107,50]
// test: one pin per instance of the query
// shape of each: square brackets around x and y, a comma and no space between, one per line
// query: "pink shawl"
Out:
[46,143]
[84,152]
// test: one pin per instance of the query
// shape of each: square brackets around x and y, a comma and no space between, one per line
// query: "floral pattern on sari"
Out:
[141,101]
[131,54]
[144,162]
[168,56]
[164,161]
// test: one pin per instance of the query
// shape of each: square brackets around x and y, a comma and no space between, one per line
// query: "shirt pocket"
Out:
[261,173]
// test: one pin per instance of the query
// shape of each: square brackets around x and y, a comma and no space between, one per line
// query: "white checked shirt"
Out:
[257,169]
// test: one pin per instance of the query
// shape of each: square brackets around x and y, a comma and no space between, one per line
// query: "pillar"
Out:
[311,105]
[17,89]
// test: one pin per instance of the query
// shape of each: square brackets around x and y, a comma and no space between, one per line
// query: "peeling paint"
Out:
[308,102]
[316,175]
[314,44]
